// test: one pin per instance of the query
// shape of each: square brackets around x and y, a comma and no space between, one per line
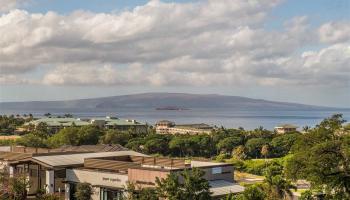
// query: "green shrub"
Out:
[237,164]
[222,157]
[255,166]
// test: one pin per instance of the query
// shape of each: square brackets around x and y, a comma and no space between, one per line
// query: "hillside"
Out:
[156,100]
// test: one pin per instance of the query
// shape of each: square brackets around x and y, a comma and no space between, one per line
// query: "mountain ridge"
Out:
[158,99]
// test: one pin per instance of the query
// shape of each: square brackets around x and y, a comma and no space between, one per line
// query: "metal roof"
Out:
[222,187]
[90,148]
[56,121]
[195,163]
[77,159]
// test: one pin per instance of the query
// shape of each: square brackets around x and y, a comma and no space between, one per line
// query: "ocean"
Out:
[226,118]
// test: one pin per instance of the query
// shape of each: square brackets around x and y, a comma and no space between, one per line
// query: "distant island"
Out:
[163,101]
[171,108]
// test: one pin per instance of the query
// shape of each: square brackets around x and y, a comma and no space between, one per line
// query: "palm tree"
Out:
[265,151]
[275,185]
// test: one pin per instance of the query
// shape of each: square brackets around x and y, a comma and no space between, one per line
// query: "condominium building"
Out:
[285,128]
[169,127]
[107,169]
[55,124]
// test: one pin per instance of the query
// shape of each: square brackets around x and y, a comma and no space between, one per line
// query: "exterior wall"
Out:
[162,129]
[145,177]
[108,179]
[187,131]
[5,148]
[285,130]
[174,130]
[50,181]
[136,128]
[226,173]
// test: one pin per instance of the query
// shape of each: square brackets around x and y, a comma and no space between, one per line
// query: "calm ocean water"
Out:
[226,118]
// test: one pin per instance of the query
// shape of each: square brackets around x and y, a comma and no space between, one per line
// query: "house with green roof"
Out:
[55,124]
[120,124]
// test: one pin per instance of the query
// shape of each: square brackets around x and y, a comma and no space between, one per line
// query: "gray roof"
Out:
[222,187]
[77,159]
[195,163]
[90,148]
[56,121]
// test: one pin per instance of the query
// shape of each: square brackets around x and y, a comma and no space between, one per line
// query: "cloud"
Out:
[335,32]
[7,5]
[214,42]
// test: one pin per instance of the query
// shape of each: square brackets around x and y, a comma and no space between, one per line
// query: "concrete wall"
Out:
[97,177]
[212,173]
[144,177]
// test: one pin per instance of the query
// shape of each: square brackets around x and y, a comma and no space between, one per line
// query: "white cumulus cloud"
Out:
[213,42]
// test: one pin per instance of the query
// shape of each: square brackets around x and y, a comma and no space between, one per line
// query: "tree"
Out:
[13,187]
[260,132]
[239,152]
[254,146]
[228,144]
[282,144]
[135,144]
[31,140]
[66,136]
[177,146]
[306,195]
[88,135]
[276,187]
[115,137]
[134,193]
[252,192]
[68,115]
[47,114]
[156,145]
[265,151]
[326,163]
[193,186]
[83,192]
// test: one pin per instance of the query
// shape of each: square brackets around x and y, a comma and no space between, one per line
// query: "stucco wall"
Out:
[145,178]
[97,178]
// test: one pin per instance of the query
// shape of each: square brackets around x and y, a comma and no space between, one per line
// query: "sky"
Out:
[283,50]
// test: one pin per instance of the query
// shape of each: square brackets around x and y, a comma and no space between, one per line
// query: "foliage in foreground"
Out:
[326,163]
[83,192]
[189,184]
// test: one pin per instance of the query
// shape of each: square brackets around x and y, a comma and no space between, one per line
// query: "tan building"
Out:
[108,169]
[169,127]
[285,128]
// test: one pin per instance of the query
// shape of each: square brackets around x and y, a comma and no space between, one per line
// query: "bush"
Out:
[255,166]
[222,157]
[237,164]
[84,191]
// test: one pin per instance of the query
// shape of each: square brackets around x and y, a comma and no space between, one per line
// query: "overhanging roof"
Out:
[222,187]
[77,159]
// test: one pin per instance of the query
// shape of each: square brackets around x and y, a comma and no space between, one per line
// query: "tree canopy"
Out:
[322,156]
[193,186]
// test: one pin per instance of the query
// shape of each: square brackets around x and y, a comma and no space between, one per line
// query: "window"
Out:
[216,170]
[108,194]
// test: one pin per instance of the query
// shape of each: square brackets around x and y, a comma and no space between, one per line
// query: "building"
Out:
[108,169]
[55,124]
[285,128]
[168,127]
[120,124]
